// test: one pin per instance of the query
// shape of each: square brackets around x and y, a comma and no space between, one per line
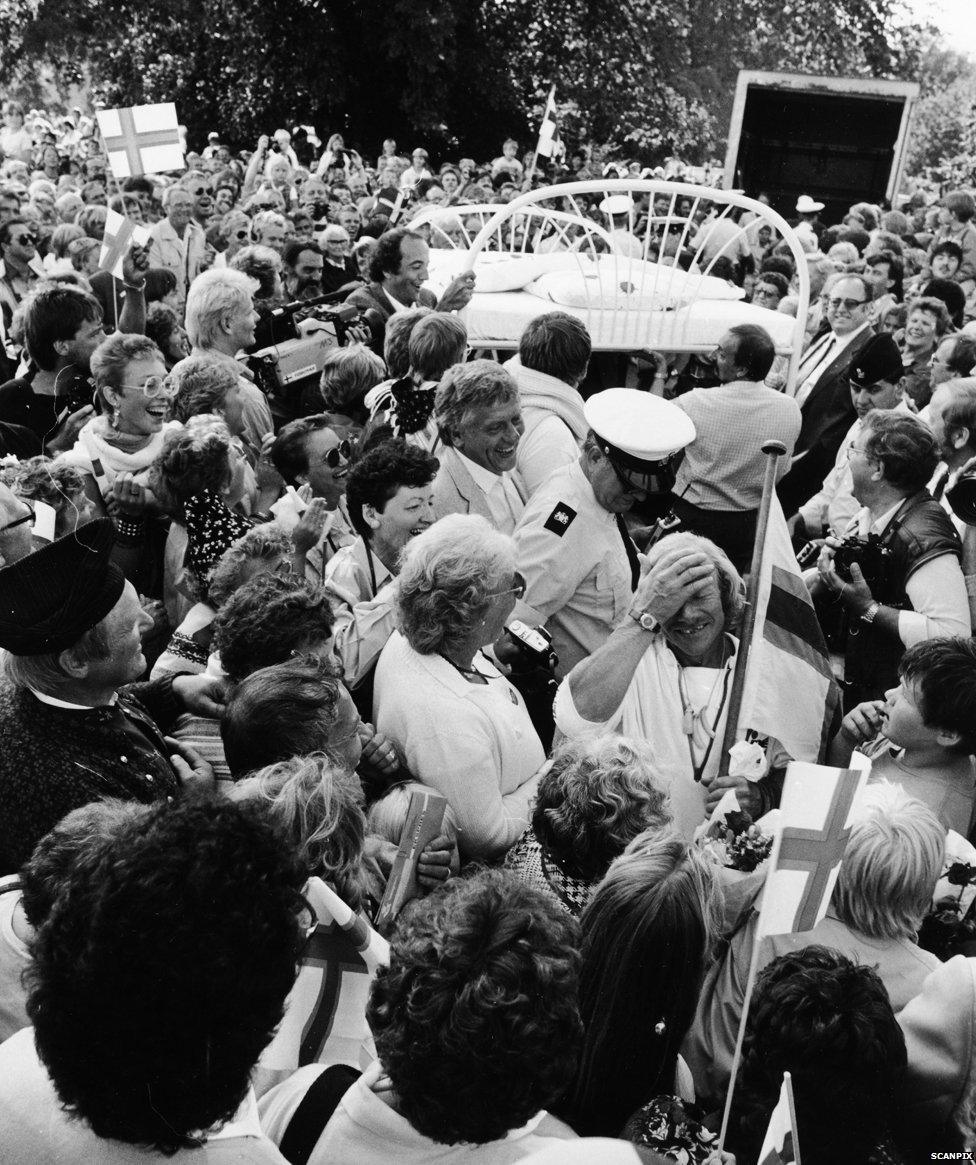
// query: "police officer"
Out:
[572,547]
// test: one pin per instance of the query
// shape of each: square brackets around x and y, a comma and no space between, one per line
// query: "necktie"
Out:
[631,552]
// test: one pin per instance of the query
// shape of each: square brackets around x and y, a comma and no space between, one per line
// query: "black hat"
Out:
[879,359]
[49,599]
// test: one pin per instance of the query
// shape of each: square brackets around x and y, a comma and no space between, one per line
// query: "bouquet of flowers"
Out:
[746,846]
[948,929]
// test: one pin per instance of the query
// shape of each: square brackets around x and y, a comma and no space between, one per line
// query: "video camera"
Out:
[285,368]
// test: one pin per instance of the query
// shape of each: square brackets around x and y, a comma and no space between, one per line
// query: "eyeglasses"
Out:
[848,304]
[333,458]
[517,588]
[23,240]
[764,293]
[153,386]
[28,517]
[200,192]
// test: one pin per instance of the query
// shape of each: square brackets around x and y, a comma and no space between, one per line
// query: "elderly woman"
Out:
[596,797]
[891,866]
[220,321]
[664,676]
[477,410]
[265,549]
[461,726]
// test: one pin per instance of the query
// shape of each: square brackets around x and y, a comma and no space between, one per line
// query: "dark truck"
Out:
[839,139]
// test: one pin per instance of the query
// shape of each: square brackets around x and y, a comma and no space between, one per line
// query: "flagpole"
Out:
[773,450]
[527,184]
[796,1128]
[747,998]
[125,214]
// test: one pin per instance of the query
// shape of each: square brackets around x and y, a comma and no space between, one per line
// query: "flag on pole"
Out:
[143,139]
[790,691]
[549,144]
[120,233]
[816,813]
[781,1145]
[325,1013]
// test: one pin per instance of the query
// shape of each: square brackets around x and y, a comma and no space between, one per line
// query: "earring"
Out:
[660,1027]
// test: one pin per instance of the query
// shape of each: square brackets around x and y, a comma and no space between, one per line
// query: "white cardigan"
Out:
[473,743]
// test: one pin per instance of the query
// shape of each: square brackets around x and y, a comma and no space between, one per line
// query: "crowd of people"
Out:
[239,632]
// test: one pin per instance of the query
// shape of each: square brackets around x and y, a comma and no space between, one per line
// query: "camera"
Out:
[285,368]
[533,647]
[870,556]
[962,498]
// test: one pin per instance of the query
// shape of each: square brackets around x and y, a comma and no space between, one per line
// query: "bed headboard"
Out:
[654,251]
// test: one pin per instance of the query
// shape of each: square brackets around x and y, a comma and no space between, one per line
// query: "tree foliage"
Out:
[651,77]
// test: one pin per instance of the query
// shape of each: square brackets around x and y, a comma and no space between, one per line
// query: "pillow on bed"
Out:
[615,282]
[493,271]
[601,288]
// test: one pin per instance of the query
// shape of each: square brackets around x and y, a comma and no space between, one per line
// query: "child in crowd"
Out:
[923,735]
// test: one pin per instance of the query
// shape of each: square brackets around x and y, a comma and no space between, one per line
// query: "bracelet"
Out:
[140,287]
[868,615]
[130,529]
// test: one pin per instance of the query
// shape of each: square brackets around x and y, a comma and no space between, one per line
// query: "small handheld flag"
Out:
[142,139]
[549,144]
[781,1145]
[816,811]
[120,233]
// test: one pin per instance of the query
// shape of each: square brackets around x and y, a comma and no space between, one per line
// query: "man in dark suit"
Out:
[823,391]
[397,273]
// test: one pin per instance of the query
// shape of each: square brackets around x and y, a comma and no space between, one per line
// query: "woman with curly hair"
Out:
[264,549]
[62,487]
[594,799]
[317,804]
[461,726]
[159,975]
[477,1031]
[269,620]
[647,937]
[193,480]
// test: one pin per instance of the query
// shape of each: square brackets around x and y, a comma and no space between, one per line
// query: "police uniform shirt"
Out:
[575,564]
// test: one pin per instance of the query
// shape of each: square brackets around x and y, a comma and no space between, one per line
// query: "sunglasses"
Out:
[23,240]
[848,304]
[340,455]
[240,234]
[517,588]
[153,386]
[28,517]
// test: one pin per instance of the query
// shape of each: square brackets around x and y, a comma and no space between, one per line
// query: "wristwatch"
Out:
[645,619]
[868,615]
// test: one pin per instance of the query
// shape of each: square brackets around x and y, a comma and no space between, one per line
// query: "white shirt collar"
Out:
[56,703]
[397,305]
[483,478]
[244,1122]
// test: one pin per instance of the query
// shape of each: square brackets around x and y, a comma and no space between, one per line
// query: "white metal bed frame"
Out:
[570,215]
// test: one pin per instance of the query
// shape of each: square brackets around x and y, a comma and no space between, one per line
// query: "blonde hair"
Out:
[317,806]
[891,865]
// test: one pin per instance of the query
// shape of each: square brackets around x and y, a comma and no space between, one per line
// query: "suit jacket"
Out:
[827,414]
[373,298]
[184,257]
[456,491]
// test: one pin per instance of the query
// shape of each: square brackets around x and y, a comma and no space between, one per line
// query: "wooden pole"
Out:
[773,450]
